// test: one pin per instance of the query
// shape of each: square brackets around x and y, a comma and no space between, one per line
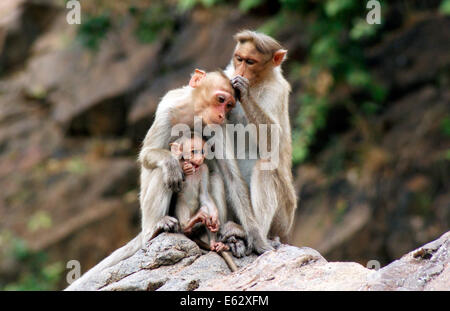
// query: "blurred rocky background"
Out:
[370,111]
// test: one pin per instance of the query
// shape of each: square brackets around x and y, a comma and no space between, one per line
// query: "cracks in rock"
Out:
[427,251]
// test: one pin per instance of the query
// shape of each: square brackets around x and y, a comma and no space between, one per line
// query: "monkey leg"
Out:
[287,204]
[239,201]
[263,195]
[155,202]
[272,201]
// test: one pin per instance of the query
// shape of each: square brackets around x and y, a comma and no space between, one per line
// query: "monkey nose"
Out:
[239,71]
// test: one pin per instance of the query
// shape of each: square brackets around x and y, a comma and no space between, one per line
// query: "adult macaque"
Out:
[209,96]
[263,99]
[194,203]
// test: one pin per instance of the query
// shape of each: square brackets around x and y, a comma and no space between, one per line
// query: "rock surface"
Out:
[173,262]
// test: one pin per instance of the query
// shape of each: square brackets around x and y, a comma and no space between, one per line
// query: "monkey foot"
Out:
[168,224]
[237,246]
[275,243]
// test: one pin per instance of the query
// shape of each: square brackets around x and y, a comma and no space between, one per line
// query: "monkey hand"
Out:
[188,168]
[241,85]
[172,174]
[218,246]
[213,223]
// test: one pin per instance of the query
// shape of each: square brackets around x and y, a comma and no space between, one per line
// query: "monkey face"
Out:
[214,98]
[193,151]
[248,62]
[251,64]
[221,104]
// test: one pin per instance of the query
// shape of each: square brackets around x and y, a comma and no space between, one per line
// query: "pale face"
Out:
[218,99]
[193,151]
[249,63]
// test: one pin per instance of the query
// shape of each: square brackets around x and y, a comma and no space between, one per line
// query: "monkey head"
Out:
[255,55]
[213,96]
[190,149]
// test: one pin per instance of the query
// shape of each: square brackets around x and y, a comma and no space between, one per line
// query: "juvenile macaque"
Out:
[194,203]
[209,96]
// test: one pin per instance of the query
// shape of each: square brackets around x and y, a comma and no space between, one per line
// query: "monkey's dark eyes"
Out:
[239,59]
[221,99]
[250,62]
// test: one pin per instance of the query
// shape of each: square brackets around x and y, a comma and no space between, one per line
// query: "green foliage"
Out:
[247,5]
[36,273]
[445,126]
[151,21]
[335,7]
[186,5]
[340,210]
[444,8]
[309,121]
[77,166]
[361,29]
[447,155]
[40,220]
[275,23]
[93,30]
[40,277]
[335,58]
[370,108]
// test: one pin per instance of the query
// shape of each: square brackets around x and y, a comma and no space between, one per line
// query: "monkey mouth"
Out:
[195,166]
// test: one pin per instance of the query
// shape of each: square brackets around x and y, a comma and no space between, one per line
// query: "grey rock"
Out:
[426,268]
[173,262]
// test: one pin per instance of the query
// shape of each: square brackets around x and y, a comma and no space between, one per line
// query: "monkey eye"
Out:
[239,59]
[221,99]
[250,61]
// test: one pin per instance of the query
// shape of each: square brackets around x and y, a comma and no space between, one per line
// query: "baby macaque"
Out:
[194,203]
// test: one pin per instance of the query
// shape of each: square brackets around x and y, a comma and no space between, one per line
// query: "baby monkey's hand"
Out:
[188,168]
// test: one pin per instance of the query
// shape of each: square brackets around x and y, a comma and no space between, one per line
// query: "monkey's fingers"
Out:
[209,222]
[220,247]
[213,226]
[188,169]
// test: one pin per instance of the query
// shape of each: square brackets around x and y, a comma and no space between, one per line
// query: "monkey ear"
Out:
[196,78]
[278,57]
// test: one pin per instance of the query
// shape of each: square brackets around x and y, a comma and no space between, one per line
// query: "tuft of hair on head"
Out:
[223,75]
[263,43]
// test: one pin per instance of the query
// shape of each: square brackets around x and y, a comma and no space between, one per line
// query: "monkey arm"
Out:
[154,152]
[155,147]
[254,113]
